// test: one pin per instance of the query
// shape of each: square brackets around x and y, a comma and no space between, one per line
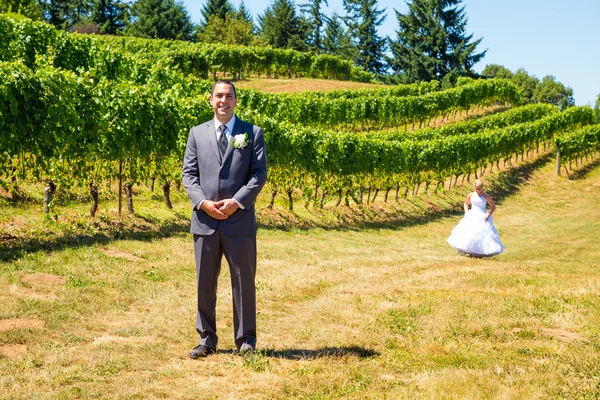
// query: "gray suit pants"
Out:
[240,253]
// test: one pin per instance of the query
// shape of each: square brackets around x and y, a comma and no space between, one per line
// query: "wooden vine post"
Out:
[120,185]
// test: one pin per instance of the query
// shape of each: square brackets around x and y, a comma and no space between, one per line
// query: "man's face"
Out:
[223,102]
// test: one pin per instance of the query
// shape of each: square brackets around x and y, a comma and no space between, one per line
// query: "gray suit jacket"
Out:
[240,175]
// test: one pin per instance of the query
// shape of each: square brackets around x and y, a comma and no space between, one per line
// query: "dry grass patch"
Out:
[300,85]
[120,254]
[42,278]
[13,351]
[21,323]
[33,294]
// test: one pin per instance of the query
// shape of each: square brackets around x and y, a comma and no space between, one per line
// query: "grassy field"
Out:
[360,302]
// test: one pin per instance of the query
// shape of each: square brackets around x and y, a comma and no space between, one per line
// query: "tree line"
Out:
[431,42]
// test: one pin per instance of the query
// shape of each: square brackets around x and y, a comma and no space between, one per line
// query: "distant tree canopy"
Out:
[244,14]
[549,90]
[160,19]
[281,27]
[110,16]
[233,30]
[363,18]
[432,42]
[337,39]
[214,8]
[315,22]
[28,8]
[496,71]
[65,14]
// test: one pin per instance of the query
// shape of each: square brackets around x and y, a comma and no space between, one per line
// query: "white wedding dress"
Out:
[474,235]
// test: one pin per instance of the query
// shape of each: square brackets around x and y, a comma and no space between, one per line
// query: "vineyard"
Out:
[82,110]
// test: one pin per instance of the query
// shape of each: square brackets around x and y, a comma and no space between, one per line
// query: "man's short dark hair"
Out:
[226,81]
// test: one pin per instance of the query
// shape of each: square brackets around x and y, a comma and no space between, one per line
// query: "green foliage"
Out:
[79,107]
[243,14]
[386,107]
[231,31]
[110,16]
[160,19]
[500,120]
[65,14]
[363,18]
[136,58]
[315,22]
[215,8]
[496,71]
[527,84]
[549,90]
[27,8]
[337,40]
[579,143]
[432,42]
[341,160]
[281,27]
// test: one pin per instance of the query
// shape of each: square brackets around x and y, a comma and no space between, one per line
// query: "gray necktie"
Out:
[223,142]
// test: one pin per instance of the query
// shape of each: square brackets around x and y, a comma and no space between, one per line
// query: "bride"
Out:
[475,234]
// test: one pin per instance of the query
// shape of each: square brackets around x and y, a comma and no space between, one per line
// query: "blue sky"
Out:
[545,37]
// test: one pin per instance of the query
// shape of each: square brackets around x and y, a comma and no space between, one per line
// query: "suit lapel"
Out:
[237,128]
[212,139]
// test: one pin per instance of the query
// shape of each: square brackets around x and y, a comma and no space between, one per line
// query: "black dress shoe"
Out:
[201,351]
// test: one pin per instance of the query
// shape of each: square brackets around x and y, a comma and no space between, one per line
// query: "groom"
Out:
[224,169]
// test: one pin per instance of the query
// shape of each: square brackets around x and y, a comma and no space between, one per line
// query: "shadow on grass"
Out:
[303,354]
[584,171]
[510,181]
[419,210]
[326,352]
[14,247]
[412,211]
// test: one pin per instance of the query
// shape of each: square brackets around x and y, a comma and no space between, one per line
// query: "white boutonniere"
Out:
[240,141]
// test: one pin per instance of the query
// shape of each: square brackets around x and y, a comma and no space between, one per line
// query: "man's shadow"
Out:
[324,352]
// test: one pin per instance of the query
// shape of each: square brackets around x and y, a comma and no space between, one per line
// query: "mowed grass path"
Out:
[352,313]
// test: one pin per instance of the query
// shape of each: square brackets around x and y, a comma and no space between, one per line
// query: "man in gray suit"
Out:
[224,169]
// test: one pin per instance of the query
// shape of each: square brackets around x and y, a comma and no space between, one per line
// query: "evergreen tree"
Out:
[27,8]
[316,20]
[219,8]
[337,41]
[280,27]
[110,16]
[363,19]
[597,110]
[65,14]
[242,13]
[432,42]
[160,19]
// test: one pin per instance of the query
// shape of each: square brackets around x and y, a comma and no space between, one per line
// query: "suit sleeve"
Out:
[191,172]
[258,171]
